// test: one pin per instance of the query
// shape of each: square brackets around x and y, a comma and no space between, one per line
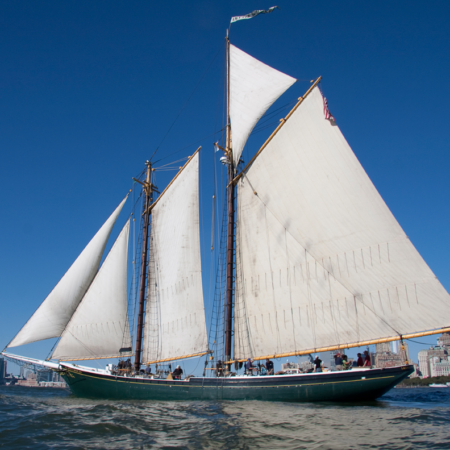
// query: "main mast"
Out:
[148,199]
[230,223]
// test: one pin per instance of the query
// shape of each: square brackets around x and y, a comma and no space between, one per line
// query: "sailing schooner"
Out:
[315,261]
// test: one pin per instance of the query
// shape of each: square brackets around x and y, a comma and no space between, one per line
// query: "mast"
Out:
[230,224]
[148,198]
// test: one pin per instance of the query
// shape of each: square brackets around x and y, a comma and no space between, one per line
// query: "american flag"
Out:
[326,111]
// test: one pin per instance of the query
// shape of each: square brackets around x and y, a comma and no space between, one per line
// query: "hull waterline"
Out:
[352,386]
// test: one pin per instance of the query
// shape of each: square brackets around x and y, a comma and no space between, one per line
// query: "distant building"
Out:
[416,373]
[435,361]
[45,376]
[30,380]
[328,359]
[440,367]
[444,340]
[384,357]
[388,359]
[385,347]
[394,346]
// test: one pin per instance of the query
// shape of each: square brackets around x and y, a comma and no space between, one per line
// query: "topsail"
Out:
[254,86]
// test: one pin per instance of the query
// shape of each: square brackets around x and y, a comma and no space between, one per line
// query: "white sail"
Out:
[99,327]
[175,318]
[52,316]
[254,86]
[321,259]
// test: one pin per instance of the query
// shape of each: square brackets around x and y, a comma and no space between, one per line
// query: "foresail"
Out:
[175,324]
[52,316]
[321,260]
[254,86]
[99,327]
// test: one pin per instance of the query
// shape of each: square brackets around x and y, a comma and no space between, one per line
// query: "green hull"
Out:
[353,385]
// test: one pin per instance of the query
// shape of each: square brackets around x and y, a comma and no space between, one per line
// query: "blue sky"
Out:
[88,91]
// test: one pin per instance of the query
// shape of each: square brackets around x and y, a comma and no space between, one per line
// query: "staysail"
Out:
[99,327]
[52,316]
[254,86]
[321,260]
[175,324]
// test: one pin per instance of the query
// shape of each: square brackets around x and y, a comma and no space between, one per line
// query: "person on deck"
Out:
[346,364]
[219,369]
[176,374]
[317,364]
[359,361]
[148,369]
[367,362]
[269,366]
[249,367]
[338,361]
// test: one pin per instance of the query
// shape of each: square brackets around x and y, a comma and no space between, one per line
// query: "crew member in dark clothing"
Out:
[367,362]
[176,374]
[338,361]
[249,367]
[359,361]
[317,364]
[269,366]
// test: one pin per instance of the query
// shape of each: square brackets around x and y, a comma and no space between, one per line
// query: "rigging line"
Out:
[139,176]
[329,273]
[259,129]
[417,342]
[268,116]
[186,102]
[189,145]
[173,162]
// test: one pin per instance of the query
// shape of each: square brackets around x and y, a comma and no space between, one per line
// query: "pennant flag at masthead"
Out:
[253,14]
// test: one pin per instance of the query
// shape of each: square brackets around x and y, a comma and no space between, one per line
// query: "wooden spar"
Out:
[352,345]
[97,357]
[148,193]
[277,129]
[149,209]
[193,355]
[230,225]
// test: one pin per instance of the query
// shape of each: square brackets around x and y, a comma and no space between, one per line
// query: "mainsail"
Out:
[321,260]
[175,324]
[99,327]
[52,316]
[254,86]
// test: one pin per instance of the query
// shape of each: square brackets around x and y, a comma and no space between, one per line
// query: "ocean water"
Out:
[40,418]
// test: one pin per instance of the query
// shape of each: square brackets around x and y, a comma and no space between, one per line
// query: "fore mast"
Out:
[147,188]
